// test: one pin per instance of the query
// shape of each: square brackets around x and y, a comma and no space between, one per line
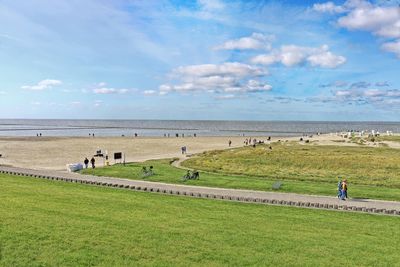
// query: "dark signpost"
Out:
[118,156]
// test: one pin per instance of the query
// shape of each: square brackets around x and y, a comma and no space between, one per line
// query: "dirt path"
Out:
[287,199]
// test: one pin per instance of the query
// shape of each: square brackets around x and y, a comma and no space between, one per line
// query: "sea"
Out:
[160,128]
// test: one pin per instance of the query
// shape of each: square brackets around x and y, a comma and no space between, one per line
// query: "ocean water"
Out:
[22,127]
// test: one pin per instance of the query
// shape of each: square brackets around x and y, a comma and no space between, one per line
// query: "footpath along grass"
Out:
[166,173]
[48,223]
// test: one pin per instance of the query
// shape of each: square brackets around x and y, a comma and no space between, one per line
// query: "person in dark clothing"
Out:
[86,161]
[93,161]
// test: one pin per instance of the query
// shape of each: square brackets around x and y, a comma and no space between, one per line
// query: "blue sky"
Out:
[204,59]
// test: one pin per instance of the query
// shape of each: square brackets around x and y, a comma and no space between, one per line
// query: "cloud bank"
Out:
[293,55]
[381,21]
[218,78]
[42,85]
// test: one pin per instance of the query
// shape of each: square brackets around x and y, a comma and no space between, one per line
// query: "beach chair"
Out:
[147,172]
[277,185]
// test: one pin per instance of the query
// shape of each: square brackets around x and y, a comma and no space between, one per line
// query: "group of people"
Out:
[177,135]
[253,142]
[92,162]
[342,189]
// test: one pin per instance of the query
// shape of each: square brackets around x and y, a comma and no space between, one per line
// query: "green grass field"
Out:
[372,172]
[360,165]
[48,223]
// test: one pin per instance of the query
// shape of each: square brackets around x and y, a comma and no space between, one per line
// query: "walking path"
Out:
[287,199]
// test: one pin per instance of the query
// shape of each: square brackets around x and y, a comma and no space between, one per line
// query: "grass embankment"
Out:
[393,138]
[45,223]
[375,139]
[360,165]
[307,169]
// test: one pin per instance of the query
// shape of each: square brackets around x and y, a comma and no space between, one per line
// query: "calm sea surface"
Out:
[19,127]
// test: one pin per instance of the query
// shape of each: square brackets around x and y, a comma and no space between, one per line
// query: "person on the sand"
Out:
[86,161]
[93,161]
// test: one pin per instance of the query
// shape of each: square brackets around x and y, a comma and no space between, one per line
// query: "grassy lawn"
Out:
[303,169]
[360,165]
[45,223]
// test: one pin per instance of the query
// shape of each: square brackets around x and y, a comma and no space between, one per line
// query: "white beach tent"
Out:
[74,167]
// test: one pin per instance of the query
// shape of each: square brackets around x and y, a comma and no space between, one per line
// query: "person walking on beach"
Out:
[183,150]
[230,143]
[86,161]
[93,161]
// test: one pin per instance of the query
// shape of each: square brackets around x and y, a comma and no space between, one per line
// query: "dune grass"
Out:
[393,138]
[360,165]
[48,223]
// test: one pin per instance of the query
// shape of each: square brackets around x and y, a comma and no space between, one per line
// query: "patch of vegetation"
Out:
[392,138]
[360,165]
[48,223]
[358,140]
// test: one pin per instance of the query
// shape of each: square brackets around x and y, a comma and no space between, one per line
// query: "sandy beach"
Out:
[53,153]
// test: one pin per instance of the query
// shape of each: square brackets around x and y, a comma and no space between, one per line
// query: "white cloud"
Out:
[42,85]
[343,93]
[328,7]
[293,55]
[107,91]
[223,78]
[380,20]
[2,93]
[337,84]
[382,84]
[98,103]
[257,86]
[374,92]
[226,69]
[149,92]
[211,4]
[224,97]
[367,96]
[255,41]
[393,47]
[266,59]
[326,59]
